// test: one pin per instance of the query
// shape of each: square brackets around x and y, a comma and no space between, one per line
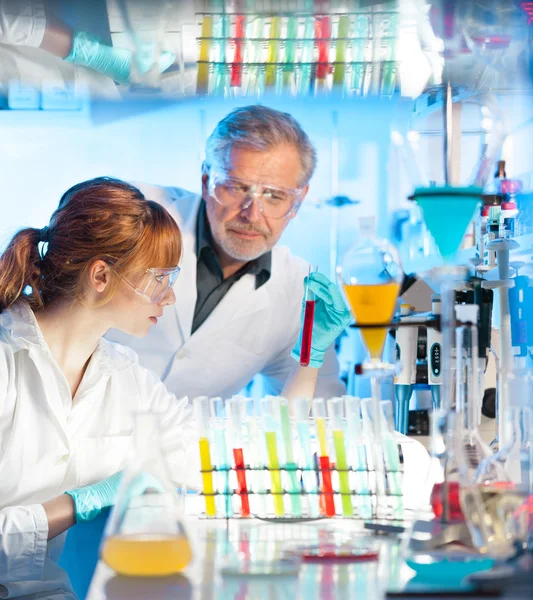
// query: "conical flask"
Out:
[145,535]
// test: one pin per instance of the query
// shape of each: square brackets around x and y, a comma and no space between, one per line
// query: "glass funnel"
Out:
[145,535]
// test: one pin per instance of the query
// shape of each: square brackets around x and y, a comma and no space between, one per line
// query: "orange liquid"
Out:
[149,555]
[373,304]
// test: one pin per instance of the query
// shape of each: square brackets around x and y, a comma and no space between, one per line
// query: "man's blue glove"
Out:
[87,51]
[331,318]
[90,500]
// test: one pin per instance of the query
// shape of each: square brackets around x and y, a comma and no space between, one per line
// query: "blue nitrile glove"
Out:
[331,318]
[87,51]
[92,499]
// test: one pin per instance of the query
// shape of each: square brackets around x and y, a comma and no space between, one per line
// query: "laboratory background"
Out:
[416,480]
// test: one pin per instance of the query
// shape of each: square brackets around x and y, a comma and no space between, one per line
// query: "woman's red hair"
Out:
[99,218]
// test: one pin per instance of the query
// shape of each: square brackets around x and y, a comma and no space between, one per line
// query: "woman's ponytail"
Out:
[20,268]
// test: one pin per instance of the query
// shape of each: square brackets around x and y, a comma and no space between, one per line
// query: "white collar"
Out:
[21,325]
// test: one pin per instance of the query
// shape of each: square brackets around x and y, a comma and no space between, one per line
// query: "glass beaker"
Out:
[145,535]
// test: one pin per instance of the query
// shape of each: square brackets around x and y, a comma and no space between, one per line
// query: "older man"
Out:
[239,295]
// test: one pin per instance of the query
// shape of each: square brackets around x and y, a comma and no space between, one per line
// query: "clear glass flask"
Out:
[145,535]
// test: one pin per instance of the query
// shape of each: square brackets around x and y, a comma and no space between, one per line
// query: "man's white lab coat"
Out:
[249,332]
[50,443]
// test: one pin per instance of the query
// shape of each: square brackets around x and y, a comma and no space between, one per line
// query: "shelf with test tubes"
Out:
[274,465]
[353,53]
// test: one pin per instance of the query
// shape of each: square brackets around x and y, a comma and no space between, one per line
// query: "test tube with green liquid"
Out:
[201,415]
[338,426]
[392,459]
[268,412]
[291,43]
[343,32]
[290,465]
[218,424]
[358,455]
[301,413]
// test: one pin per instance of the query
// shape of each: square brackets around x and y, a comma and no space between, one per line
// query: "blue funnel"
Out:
[447,213]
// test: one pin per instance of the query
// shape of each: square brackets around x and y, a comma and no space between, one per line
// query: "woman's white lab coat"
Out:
[50,443]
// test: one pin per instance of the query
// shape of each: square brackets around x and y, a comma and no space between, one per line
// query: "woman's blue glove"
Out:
[89,501]
[87,51]
[331,318]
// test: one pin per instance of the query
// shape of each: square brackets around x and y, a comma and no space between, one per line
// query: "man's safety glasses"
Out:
[234,193]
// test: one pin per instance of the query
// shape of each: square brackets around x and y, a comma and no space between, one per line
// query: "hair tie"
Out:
[44,235]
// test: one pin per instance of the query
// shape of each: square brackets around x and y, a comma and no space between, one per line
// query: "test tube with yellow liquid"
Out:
[271,426]
[145,536]
[201,408]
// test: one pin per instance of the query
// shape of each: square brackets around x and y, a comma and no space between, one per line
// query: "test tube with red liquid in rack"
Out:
[309,317]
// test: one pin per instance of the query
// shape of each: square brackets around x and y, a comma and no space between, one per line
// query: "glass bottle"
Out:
[145,535]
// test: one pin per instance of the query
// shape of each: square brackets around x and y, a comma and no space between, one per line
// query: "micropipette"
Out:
[301,412]
[309,316]
[201,414]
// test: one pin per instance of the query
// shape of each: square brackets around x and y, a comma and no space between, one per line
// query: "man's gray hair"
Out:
[258,127]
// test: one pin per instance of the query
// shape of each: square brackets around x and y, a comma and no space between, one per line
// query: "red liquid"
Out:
[327,486]
[307,334]
[454,511]
[241,480]
[323,37]
[236,69]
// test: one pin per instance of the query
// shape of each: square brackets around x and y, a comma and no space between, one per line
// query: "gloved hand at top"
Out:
[87,51]
[331,318]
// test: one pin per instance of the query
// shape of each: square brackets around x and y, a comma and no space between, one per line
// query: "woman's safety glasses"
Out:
[153,284]
[274,202]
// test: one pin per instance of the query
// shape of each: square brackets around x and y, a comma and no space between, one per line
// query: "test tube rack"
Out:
[360,491]
[297,52]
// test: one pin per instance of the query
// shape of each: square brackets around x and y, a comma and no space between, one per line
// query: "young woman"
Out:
[108,259]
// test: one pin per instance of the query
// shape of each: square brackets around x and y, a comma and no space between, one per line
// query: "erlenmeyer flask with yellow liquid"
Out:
[145,535]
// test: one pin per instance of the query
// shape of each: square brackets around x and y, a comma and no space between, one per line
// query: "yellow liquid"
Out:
[207,477]
[147,555]
[373,304]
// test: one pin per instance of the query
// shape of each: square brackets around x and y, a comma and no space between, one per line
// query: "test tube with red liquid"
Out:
[309,317]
